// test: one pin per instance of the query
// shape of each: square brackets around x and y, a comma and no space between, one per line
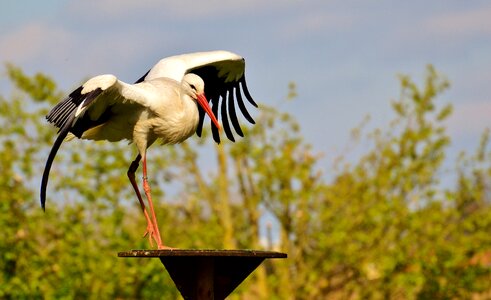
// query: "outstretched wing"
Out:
[87,107]
[225,85]
[224,95]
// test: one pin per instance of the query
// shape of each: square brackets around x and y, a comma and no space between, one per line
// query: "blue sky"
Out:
[344,56]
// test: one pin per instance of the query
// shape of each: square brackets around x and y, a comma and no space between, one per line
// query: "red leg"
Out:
[131,175]
[146,188]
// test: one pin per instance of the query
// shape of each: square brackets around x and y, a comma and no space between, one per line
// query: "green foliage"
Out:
[383,227]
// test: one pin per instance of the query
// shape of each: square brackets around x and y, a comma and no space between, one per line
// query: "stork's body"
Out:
[167,103]
[170,114]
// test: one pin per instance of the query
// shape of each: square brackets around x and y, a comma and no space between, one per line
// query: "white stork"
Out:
[168,102]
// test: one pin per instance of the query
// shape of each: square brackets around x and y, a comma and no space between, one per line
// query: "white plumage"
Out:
[168,102]
[230,66]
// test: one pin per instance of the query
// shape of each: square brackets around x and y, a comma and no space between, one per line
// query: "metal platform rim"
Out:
[202,253]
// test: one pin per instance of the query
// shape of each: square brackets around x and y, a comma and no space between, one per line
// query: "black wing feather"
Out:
[232,113]
[246,91]
[199,129]
[63,110]
[242,107]
[143,77]
[221,93]
[224,114]
[61,136]
[214,108]
[66,109]
[63,117]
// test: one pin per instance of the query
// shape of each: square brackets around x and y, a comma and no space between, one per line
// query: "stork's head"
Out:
[195,87]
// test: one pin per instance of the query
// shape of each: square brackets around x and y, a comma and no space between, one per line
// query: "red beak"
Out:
[204,104]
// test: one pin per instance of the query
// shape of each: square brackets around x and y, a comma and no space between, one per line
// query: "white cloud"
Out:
[70,55]
[34,41]
[467,22]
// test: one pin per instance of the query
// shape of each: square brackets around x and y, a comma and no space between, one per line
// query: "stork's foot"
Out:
[150,233]
[152,236]
[162,247]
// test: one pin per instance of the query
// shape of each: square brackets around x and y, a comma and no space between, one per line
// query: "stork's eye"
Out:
[193,87]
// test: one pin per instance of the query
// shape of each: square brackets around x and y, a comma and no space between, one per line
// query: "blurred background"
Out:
[369,164]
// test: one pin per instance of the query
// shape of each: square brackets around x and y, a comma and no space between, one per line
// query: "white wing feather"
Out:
[175,67]
[115,90]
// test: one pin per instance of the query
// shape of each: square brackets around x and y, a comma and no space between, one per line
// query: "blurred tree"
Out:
[383,227]
[386,228]
[69,251]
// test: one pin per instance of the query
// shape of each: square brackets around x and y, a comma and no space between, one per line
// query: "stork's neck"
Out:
[177,121]
[190,111]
